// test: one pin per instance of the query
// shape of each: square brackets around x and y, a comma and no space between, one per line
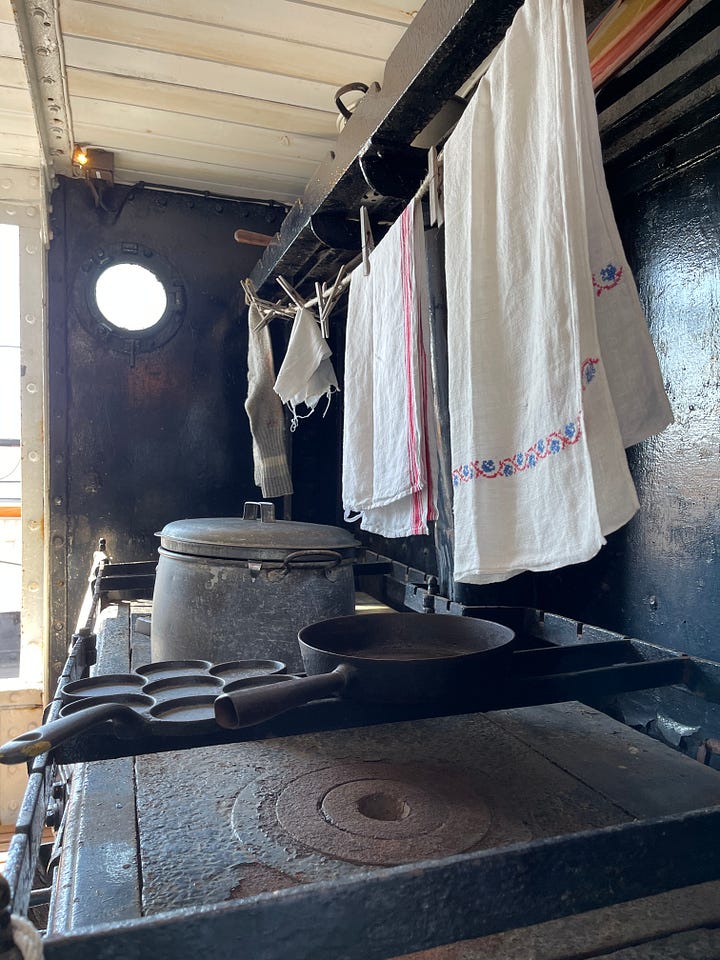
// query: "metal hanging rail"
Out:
[374,162]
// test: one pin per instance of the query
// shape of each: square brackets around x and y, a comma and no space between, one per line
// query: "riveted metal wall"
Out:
[658,578]
[138,439]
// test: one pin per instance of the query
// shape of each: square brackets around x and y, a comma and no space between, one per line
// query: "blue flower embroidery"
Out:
[607,274]
[488,466]
[466,471]
[555,445]
[532,460]
[570,430]
[589,372]
[508,470]
[519,458]
[540,446]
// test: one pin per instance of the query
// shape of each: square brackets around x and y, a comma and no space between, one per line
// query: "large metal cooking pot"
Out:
[231,588]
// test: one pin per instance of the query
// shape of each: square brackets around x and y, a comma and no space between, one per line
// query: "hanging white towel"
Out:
[307,372]
[539,470]
[389,442]
[265,413]
[628,353]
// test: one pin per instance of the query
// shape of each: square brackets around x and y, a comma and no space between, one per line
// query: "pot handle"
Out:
[302,556]
[50,735]
[260,510]
[244,708]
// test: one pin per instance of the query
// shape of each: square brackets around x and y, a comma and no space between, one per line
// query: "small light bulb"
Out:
[81,158]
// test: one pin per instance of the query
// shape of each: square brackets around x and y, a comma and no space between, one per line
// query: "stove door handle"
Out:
[245,708]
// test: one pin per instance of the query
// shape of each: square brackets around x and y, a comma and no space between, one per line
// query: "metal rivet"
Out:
[33,456]
[33,586]
[58,541]
[34,525]
[31,248]
[30,318]
[31,388]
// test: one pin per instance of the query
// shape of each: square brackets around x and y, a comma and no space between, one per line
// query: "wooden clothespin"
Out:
[331,300]
[367,242]
[292,293]
[435,189]
[265,308]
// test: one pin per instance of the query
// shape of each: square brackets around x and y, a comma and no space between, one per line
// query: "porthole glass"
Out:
[130,296]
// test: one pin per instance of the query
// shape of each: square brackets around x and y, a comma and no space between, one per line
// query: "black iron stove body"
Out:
[376,840]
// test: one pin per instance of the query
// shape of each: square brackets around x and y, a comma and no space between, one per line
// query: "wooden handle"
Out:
[50,735]
[245,708]
[254,239]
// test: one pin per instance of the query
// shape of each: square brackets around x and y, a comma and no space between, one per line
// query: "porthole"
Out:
[129,297]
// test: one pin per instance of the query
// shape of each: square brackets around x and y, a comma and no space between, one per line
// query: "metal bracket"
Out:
[335,230]
[393,170]
[40,36]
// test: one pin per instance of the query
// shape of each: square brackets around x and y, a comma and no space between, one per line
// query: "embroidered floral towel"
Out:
[628,353]
[539,469]
[389,443]
[265,413]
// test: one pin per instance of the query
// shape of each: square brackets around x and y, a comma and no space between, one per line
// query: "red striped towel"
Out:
[389,442]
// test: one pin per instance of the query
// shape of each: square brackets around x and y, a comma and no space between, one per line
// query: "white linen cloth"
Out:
[389,440]
[306,373]
[631,364]
[539,470]
[265,413]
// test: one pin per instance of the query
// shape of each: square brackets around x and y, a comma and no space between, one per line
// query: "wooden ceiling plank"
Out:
[397,11]
[19,147]
[122,117]
[206,103]
[179,149]
[238,182]
[202,75]
[12,73]
[15,99]
[9,43]
[22,124]
[339,30]
[214,44]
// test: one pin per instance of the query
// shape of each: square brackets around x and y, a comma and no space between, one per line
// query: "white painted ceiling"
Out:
[19,145]
[230,96]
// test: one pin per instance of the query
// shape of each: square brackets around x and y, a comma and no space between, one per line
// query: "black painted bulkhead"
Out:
[139,441]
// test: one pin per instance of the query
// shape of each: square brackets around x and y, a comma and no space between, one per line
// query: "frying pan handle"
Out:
[49,735]
[244,708]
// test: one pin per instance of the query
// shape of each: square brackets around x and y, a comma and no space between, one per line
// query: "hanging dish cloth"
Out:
[389,440]
[265,413]
[307,372]
[539,471]
[631,363]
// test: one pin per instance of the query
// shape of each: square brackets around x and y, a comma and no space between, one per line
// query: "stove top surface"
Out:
[225,822]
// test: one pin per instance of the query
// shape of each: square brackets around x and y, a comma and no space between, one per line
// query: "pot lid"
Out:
[257,535]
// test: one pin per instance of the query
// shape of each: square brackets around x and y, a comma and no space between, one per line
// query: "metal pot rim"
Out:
[235,538]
